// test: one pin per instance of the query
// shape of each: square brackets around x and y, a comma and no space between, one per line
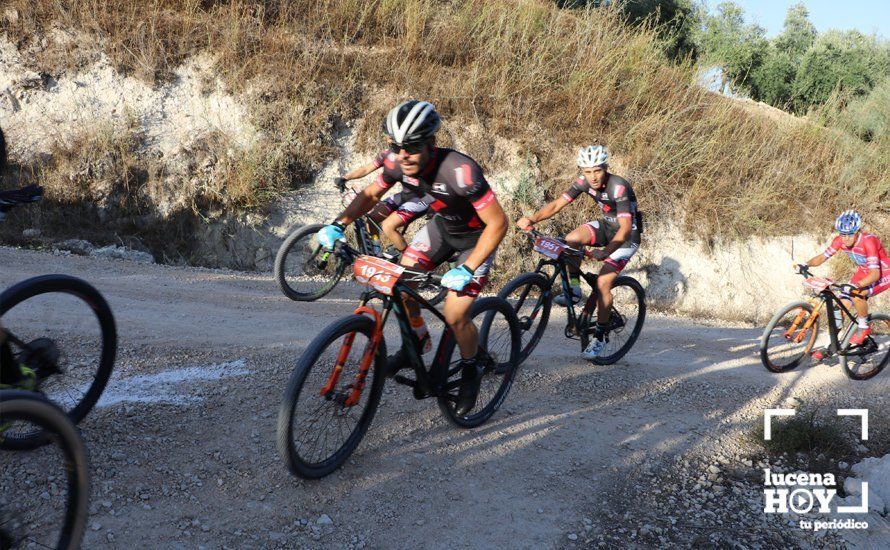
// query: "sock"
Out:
[863,322]
[422,332]
[419,326]
[601,330]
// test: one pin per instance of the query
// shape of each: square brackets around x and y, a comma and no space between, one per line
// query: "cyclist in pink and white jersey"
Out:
[873,275]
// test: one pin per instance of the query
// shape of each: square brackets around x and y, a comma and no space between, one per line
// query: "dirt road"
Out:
[183,442]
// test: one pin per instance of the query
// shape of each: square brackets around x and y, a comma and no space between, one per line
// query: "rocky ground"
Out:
[648,452]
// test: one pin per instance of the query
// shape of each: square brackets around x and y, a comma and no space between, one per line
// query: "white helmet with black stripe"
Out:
[412,122]
[592,156]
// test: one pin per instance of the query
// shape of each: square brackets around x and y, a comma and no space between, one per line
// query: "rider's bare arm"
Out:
[391,226]
[362,203]
[817,260]
[624,228]
[873,276]
[361,171]
[548,211]
[496,224]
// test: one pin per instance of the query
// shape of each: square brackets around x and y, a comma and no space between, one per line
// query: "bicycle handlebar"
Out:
[416,276]
[804,271]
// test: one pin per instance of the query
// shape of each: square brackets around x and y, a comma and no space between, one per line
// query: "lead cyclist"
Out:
[469,221]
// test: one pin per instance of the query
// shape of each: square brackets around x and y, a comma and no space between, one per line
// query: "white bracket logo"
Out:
[768,415]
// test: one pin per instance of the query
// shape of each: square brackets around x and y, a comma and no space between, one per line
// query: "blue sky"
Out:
[868,16]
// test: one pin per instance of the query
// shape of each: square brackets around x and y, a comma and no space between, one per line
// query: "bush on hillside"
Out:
[544,78]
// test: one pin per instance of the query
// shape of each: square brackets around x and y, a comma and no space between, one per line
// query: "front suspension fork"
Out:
[367,360]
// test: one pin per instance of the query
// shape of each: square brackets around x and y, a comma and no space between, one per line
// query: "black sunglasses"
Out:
[410,148]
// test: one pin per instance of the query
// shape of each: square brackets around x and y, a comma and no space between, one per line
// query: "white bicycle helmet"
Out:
[848,223]
[412,122]
[592,156]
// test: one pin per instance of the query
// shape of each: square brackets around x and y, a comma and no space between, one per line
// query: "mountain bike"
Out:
[38,522]
[531,295]
[58,338]
[791,333]
[334,391]
[306,271]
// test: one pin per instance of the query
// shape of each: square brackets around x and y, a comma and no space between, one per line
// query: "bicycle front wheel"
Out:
[789,337]
[328,406]
[625,321]
[499,335]
[62,333]
[531,299]
[50,509]
[867,360]
[304,270]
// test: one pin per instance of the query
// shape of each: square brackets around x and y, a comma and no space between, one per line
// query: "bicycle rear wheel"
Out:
[529,296]
[789,337]
[31,514]
[304,270]
[61,329]
[866,361]
[499,335]
[324,414]
[625,321]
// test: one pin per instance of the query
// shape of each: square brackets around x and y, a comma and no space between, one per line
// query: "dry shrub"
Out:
[549,79]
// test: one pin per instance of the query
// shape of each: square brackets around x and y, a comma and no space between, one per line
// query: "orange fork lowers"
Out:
[364,365]
[798,338]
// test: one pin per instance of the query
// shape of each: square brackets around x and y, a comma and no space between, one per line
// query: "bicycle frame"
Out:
[831,302]
[560,269]
[432,382]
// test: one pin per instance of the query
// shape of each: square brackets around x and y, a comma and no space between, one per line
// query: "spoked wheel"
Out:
[326,411]
[499,335]
[789,337]
[304,270]
[44,495]
[531,300]
[863,362]
[63,339]
[625,321]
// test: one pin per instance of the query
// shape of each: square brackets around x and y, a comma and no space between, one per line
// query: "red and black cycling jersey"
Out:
[454,180]
[616,199]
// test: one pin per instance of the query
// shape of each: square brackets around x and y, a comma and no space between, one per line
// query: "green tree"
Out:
[737,48]
[867,117]
[798,33]
[674,20]
[773,81]
[849,62]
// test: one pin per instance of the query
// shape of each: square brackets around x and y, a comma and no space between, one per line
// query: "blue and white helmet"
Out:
[848,223]
[592,156]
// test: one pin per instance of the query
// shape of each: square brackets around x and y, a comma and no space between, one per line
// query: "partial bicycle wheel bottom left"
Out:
[44,494]
[62,338]
[327,407]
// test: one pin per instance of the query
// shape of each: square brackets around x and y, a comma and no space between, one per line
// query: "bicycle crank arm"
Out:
[866,349]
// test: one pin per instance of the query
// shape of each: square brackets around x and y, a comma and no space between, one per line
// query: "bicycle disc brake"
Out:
[42,356]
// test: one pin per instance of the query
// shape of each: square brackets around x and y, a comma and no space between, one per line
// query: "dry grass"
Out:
[549,79]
